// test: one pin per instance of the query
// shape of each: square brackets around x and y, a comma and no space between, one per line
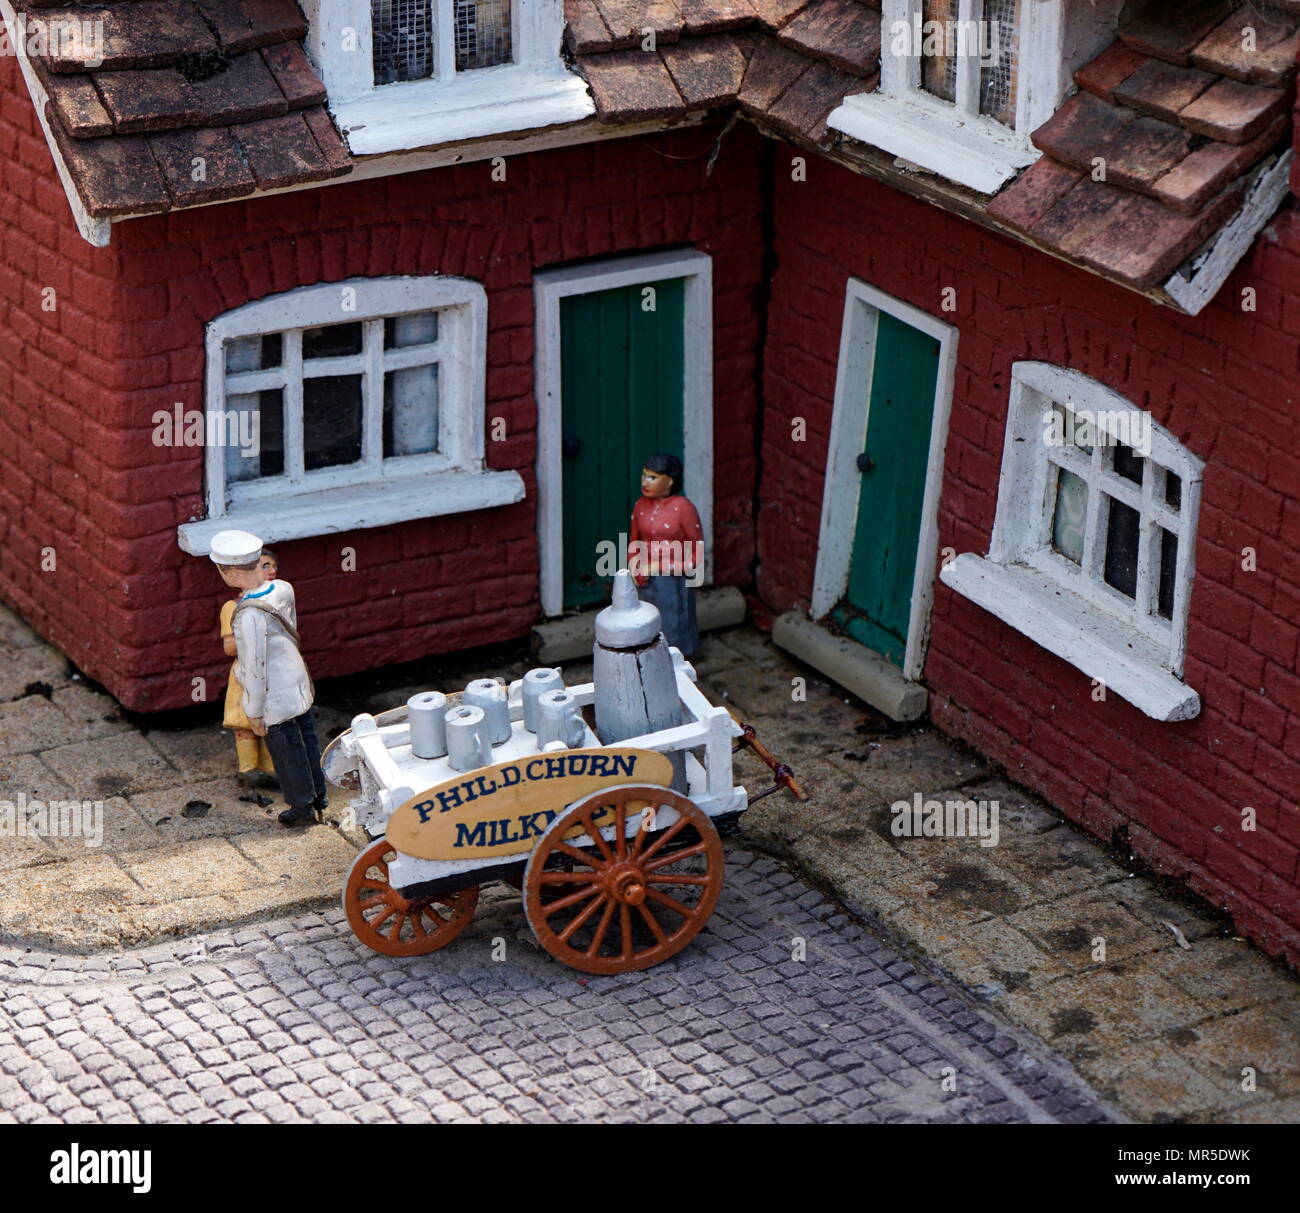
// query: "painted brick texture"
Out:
[61,355]
[1224,383]
[140,616]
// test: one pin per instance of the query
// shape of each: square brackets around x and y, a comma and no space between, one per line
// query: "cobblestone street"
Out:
[1162,1029]
[293,1020]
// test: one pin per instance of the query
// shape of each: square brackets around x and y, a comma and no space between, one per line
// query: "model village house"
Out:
[976,324]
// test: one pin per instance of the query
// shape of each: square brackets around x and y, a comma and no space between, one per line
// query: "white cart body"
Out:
[374,760]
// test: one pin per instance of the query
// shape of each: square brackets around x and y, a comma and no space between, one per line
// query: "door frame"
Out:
[849,421]
[549,288]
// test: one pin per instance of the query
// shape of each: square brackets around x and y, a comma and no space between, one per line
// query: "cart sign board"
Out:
[502,810]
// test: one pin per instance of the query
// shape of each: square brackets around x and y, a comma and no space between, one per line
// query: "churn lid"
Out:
[627,621]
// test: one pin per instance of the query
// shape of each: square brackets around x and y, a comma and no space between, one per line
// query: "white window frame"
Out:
[1069,608]
[850,418]
[374,491]
[954,139]
[535,90]
[549,288]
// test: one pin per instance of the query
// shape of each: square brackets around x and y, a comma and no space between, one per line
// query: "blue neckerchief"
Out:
[260,593]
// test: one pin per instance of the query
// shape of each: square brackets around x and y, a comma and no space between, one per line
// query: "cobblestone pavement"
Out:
[1163,1025]
[295,1020]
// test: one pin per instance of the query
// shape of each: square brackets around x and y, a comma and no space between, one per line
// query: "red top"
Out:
[669,528]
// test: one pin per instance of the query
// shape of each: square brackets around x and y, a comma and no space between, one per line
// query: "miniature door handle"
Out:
[571,447]
[866,463]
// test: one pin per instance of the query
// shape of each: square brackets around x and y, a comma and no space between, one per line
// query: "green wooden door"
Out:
[877,603]
[622,355]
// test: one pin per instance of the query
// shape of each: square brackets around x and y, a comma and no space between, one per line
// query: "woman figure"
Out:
[255,766]
[668,550]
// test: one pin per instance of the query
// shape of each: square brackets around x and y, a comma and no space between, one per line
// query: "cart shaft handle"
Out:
[784,775]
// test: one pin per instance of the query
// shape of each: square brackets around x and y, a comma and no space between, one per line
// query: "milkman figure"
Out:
[278,691]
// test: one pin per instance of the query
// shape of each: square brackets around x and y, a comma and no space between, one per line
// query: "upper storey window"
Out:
[403,74]
[418,39]
[963,83]
[967,50]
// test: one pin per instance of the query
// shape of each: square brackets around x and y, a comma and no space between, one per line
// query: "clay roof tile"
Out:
[843,33]
[708,73]
[117,37]
[631,86]
[1144,164]
[201,79]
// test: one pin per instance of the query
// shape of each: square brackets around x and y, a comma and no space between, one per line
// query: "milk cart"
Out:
[618,869]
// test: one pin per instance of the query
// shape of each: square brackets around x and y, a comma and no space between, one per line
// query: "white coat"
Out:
[268,665]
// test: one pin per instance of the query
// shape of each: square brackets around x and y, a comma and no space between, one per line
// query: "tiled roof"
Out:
[787,63]
[190,101]
[1174,117]
[203,100]
[1154,152]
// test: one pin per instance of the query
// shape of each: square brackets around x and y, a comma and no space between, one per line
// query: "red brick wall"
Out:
[60,365]
[139,615]
[1225,384]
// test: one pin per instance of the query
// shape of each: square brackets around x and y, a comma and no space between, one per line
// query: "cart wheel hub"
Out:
[630,901]
[627,885]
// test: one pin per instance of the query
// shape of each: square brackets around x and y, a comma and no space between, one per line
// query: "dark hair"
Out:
[668,465]
[267,554]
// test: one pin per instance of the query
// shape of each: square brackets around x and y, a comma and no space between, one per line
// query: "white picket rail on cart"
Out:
[390,774]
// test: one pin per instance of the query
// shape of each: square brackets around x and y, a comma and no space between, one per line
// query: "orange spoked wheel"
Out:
[392,924]
[626,903]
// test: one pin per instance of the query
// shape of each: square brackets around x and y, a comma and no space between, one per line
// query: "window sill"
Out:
[971,150]
[491,101]
[382,503]
[1068,626]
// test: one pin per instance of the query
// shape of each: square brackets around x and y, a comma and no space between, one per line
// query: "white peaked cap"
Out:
[235,547]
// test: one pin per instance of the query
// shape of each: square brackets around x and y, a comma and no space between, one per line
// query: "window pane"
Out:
[1173,490]
[938,67]
[331,421]
[1168,557]
[411,411]
[420,328]
[254,423]
[1071,514]
[331,341]
[1122,547]
[1128,463]
[1072,430]
[999,45]
[253,353]
[482,33]
[403,39]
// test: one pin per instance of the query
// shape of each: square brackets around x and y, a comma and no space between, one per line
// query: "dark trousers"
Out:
[296,755]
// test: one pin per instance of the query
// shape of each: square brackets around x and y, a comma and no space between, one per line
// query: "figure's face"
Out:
[268,568]
[655,484]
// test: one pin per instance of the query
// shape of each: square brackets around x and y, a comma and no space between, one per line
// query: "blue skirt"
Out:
[676,603]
